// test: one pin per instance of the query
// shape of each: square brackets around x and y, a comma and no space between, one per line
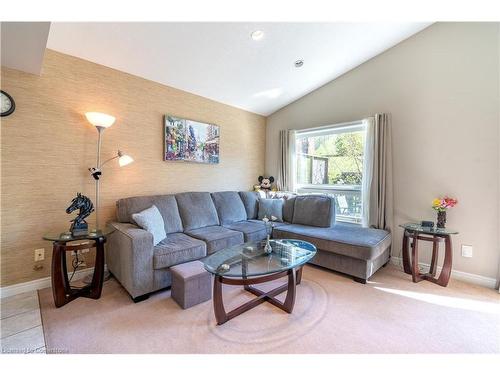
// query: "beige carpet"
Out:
[332,314]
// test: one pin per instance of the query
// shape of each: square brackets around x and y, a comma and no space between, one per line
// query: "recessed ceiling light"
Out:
[257,35]
[299,63]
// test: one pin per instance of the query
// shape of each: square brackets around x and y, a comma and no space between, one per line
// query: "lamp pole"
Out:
[102,121]
[100,130]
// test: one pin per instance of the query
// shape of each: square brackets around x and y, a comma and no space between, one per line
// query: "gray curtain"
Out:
[377,184]
[286,160]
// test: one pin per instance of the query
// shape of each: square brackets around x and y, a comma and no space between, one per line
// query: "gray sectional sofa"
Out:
[199,223]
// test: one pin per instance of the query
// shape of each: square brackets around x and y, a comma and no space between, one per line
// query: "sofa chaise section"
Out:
[346,248]
[342,247]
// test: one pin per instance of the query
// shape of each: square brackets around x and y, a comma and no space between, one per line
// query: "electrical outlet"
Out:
[39,254]
[467,251]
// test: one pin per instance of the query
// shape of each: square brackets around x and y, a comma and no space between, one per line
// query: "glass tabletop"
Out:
[249,259]
[417,227]
[67,236]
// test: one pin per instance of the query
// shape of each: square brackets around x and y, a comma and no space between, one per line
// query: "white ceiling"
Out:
[221,62]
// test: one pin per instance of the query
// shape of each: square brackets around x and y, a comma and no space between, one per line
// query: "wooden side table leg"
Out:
[415,273]
[435,247]
[444,277]
[406,257]
[98,278]
[59,275]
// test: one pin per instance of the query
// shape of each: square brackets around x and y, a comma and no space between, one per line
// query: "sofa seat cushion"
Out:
[252,230]
[230,207]
[177,248]
[217,237]
[346,239]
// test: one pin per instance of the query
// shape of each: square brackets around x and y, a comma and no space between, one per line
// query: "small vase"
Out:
[441,219]
[267,247]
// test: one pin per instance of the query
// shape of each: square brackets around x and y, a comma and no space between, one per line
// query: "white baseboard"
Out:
[42,283]
[487,282]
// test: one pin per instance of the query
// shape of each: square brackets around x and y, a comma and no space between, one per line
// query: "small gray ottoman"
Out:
[191,284]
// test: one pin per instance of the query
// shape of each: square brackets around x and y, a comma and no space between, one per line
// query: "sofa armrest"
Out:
[129,257]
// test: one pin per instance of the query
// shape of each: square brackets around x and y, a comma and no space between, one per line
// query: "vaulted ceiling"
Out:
[221,61]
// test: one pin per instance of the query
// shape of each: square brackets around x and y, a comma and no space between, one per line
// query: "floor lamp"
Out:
[103,121]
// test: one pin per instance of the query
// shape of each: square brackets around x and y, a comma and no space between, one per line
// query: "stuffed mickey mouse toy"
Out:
[265,183]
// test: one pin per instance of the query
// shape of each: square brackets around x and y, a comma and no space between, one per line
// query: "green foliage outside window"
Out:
[344,152]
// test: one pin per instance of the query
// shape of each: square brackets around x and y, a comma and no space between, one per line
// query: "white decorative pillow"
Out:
[151,220]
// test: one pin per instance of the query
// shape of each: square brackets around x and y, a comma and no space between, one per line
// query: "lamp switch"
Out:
[39,254]
[467,251]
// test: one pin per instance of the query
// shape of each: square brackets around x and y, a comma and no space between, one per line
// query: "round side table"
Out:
[61,288]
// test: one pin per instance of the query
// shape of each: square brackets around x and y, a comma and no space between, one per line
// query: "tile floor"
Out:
[21,324]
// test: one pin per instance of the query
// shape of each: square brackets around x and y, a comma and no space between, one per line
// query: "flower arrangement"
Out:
[442,204]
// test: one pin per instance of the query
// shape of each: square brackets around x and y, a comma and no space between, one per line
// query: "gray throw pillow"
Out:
[271,207]
[151,220]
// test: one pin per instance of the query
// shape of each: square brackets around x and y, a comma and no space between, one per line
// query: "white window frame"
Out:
[328,188]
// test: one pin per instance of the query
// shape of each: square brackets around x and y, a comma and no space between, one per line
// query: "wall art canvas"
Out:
[189,140]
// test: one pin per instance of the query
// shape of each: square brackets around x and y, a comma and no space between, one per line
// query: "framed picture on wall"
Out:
[189,140]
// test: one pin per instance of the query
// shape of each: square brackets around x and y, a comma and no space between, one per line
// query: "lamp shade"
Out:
[100,119]
[124,159]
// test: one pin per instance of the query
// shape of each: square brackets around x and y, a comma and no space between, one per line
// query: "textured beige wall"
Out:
[441,87]
[47,146]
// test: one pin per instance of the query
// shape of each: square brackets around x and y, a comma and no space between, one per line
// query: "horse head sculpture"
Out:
[84,204]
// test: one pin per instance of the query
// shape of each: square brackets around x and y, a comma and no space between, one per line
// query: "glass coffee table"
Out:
[247,264]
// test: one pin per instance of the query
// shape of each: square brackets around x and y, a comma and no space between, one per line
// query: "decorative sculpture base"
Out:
[81,229]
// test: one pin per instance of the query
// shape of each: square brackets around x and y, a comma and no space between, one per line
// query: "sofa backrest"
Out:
[229,206]
[251,202]
[197,210]
[314,210]
[167,205]
[288,207]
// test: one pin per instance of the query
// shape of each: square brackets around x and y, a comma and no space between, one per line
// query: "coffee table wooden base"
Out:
[294,278]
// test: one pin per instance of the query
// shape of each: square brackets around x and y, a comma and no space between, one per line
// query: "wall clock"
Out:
[7,105]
